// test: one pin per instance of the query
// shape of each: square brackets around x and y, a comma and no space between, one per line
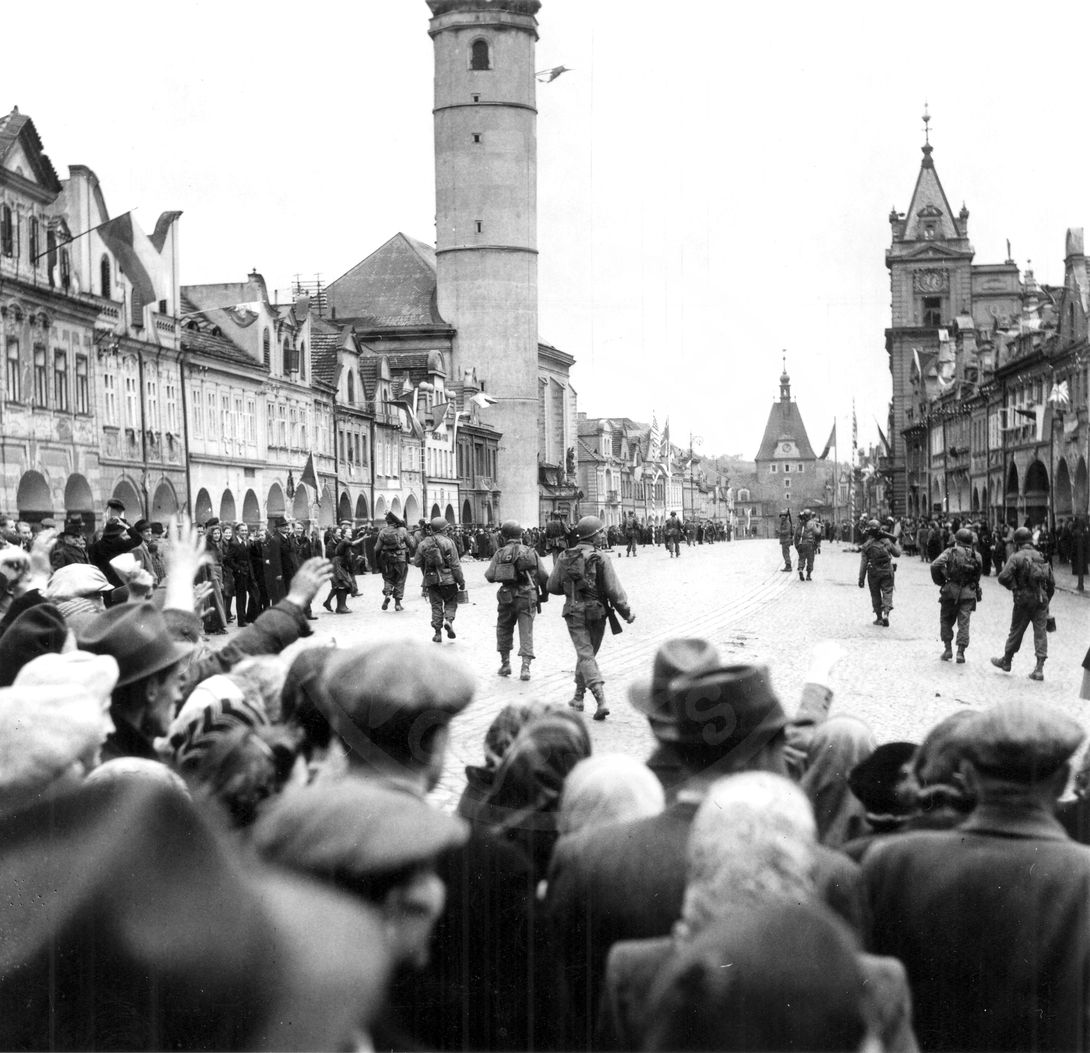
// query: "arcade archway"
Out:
[251,509]
[125,491]
[227,507]
[33,500]
[274,505]
[202,507]
[164,505]
[77,495]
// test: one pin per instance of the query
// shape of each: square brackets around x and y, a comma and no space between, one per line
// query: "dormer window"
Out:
[929,232]
[479,55]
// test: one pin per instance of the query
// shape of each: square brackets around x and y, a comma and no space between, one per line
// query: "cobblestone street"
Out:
[737,596]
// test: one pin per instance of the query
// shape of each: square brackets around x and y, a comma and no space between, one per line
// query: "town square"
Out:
[544,525]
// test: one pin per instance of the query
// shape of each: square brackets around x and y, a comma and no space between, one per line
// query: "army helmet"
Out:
[805,514]
[873,526]
[510,529]
[439,525]
[964,536]
[588,527]
[1023,535]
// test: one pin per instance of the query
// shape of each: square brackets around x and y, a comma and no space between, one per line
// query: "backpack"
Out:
[506,562]
[434,558]
[1038,575]
[878,557]
[578,572]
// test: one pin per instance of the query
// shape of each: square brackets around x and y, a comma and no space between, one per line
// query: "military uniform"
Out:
[556,537]
[517,567]
[442,577]
[875,565]
[671,532]
[785,535]
[585,608]
[393,547]
[632,536]
[1029,577]
[807,536]
[957,571]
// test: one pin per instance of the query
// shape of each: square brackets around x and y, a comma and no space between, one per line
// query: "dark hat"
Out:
[377,693]
[874,780]
[73,525]
[1023,535]
[136,635]
[355,828]
[141,525]
[115,503]
[158,529]
[213,522]
[438,525]
[392,519]
[277,522]
[37,631]
[113,529]
[1019,741]
[729,709]
[673,659]
[126,879]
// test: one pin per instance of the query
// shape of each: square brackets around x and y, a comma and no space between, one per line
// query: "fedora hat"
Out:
[674,658]
[729,708]
[135,634]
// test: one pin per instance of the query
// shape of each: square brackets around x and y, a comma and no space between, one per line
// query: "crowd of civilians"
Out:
[233,848]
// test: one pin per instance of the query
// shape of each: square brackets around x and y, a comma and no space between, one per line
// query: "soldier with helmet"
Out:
[393,546]
[518,571]
[590,589]
[437,556]
[807,536]
[785,534]
[1029,577]
[957,572]
[876,568]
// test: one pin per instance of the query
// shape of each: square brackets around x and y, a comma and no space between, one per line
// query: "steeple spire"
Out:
[926,148]
[785,382]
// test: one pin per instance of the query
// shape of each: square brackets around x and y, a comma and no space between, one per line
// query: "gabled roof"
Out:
[18,128]
[929,203]
[785,422]
[394,286]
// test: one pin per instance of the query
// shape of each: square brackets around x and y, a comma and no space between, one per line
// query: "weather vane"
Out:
[926,123]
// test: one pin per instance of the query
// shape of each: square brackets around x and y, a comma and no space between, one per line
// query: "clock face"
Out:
[931,281]
[785,447]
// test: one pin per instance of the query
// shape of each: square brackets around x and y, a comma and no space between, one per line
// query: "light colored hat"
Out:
[215,707]
[97,674]
[77,579]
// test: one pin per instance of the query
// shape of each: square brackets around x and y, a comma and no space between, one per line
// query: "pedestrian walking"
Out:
[671,533]
[786,535]
[876,567]
[957,573]
[631,535]
[591,590]
[437,557]
[393,547]
[518,571]
[1029,577]
[807,539]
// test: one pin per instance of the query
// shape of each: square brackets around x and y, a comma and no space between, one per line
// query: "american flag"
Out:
[654,445]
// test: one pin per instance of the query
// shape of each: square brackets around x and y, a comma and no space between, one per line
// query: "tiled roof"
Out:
[325,342]
[591,454]
[785,422]
[218,347]
[394,286]
[15,126]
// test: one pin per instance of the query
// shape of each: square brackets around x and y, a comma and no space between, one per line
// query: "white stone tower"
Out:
[486,219]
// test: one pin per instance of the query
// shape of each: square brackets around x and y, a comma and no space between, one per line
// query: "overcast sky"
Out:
[714,178]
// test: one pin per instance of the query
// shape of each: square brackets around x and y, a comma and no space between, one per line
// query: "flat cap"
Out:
[1018,741]
[354,829]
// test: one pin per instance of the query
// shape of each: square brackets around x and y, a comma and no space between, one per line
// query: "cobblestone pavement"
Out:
[736,596]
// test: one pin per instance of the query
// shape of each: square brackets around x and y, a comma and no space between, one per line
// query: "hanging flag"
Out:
[654,440]
[916,361]
[666,451]
[882,439]
[482,401]
[439,413]
[1039,413]
[406,398]
[120,238]
[855,431]
[547,76]
[1060,396]
[830,444]
[308,475]
[944,336]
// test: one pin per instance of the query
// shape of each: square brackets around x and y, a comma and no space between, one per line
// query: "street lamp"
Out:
[694,440]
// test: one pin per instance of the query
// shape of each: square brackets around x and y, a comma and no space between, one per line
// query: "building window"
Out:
[151,391]
[132,404]
[171,394]
[104,275]
[787,468]
[932,312]
[270,423]
[282,427]
[475,97]
[477,139]
[7,231]
[12,387]
[301,359]
[34,243]
[66,270]
[251,424]
[60,380]
[41,377]
[478,226]
[50,254]
[478,55]
[787,484]
[83,400]
[285,362]
[351,389]
[266,347]
[211,410]
[802,467]
[109,388]
[773,468]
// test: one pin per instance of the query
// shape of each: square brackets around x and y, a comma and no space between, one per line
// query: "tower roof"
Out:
[785,425]
[929,206]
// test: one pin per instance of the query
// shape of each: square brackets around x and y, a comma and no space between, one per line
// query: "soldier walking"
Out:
[437,556]
[786,536]
[393,546]
[556,536]
[1029,577]
[876,566]
[591,589]
[518,571]
[671,532]
[632,535]
[957,571]
[807,536]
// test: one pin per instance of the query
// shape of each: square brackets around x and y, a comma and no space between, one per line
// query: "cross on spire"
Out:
[926,122]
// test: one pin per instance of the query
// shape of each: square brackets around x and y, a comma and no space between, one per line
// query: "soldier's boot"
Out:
[505,664]
[885,618]
[397,605]
[961,656]
[1003,663]
[577,698]
[450,629]
[787,568]
[948,653]
[801,576]
[437,637]
[524,674]
[808,578]
[1039,671]
[877,617]
[385,603]
[600,697]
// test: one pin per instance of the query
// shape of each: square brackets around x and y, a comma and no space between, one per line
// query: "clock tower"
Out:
[930,262]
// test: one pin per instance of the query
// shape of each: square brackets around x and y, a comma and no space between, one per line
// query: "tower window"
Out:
[478,225]
[475,97]
[932,311]
[476,137]
[479,57]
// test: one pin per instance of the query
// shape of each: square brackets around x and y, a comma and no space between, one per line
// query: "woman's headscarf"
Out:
[608,788]
[838,746]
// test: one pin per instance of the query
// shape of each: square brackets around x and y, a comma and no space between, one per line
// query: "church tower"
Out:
[486,219]
[930,273]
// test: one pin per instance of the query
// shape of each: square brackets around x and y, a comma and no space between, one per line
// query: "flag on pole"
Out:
[654,444]
[882,439]
[667,453]
[439,414]
[120,238]
[855,432]
[308,475]
[830,443]
[406,398]
[482,401]
[1060,396]
[547,76]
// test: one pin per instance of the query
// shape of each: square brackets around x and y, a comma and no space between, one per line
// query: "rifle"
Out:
[611,617]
